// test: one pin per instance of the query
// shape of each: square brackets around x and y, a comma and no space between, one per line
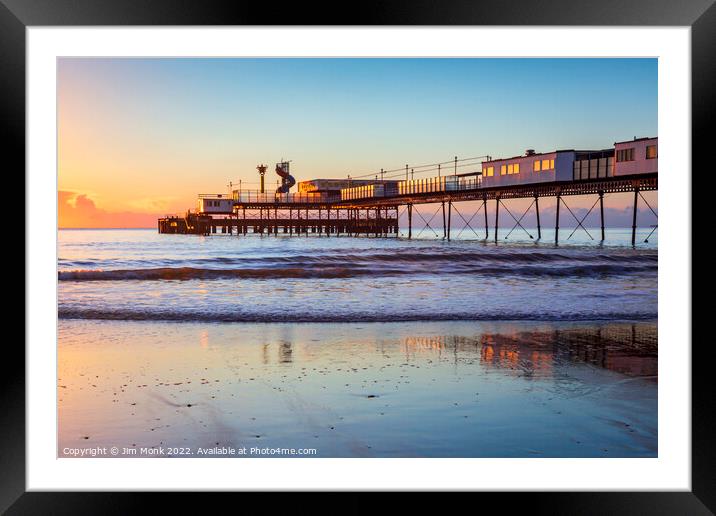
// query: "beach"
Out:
[457,389]
[272,347]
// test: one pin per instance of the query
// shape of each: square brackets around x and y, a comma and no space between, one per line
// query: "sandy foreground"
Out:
[432,389]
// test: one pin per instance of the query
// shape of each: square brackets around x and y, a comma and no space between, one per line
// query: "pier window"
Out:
[625,154]
[513,168]
[650,151]
[547,164]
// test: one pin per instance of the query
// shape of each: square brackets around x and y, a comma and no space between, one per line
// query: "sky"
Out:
[139,138]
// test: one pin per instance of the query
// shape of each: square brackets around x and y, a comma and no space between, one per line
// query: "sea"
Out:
[315,346]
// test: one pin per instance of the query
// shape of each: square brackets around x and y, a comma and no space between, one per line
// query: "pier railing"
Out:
[418,186]
[247,196]
[213,196]
[438,184]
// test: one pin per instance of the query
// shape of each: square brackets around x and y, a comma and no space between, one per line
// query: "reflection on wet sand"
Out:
[393,390]
[630,349]
[619,348]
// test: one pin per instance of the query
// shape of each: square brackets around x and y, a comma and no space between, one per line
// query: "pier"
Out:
[297,219]
[372,204]
[328,215]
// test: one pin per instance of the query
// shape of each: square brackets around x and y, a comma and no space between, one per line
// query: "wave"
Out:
[354,270]
[191,273]
[418,256]
[291,317]
[440,255]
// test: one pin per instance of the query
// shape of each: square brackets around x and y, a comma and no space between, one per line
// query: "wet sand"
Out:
[432,389]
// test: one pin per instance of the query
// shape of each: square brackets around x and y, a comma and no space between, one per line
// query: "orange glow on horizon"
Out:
[79,211]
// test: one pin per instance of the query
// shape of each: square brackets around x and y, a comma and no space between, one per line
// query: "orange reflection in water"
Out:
[630,349]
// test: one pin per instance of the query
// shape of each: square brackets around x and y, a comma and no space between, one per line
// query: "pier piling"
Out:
[410,220]
[449,219]
[556,221]
[539,226]
[633,223]
[601,211]
[484,208]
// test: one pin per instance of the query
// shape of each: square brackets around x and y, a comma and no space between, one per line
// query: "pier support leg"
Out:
[497,216]
[556,220]
[539,227]
[601,211]
[633,220]
[410,221]
[484,208]
[444,226]
[449,221]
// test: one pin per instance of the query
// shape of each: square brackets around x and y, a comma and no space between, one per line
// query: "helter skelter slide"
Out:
[287,180]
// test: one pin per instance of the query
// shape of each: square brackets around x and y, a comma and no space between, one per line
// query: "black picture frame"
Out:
[16,15]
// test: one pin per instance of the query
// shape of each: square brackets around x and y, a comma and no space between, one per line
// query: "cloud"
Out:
[77,210]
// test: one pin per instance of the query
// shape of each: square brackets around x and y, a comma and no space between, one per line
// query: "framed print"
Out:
[424,252]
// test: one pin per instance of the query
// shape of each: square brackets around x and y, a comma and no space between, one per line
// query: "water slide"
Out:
[287,180]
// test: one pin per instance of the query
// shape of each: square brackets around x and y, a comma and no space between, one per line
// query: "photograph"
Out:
[357,257]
